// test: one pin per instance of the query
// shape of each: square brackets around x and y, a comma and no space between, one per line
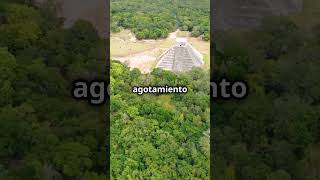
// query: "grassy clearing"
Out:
[120,49]
[183,34]
[125,44]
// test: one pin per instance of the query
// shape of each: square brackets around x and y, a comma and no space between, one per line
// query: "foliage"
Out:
[44,133]
[150,19]
[271,133]
[72,159]
[159,136]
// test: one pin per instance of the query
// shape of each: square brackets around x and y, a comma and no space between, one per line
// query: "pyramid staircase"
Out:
[167,62]
[179,58]
[183,60]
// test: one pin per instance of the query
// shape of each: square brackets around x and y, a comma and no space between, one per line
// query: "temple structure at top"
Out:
[180,57]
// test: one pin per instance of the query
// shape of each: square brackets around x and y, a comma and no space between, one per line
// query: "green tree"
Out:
[8,66]
[6,93]
[15,134]
[73,159]
[279,175]
[94,176]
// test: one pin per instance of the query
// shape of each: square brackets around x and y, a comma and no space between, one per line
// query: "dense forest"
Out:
[150,19]
[44,133]
[157,136]
[274,134]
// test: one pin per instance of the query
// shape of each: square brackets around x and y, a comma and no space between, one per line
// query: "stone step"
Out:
[178,59]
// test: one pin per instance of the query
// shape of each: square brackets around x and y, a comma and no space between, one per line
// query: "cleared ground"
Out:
[144,54]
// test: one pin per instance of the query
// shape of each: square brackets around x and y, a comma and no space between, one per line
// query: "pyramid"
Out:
[180,57]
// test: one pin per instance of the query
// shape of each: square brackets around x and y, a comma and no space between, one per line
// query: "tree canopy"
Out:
[271,133]
[44,133]
[150,19]
[159,136]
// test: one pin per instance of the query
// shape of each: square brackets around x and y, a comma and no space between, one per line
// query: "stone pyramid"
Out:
[180,57]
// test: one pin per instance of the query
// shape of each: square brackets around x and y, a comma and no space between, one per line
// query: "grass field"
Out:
[125,44]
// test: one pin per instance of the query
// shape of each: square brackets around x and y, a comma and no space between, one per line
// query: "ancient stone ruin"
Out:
[180,57]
